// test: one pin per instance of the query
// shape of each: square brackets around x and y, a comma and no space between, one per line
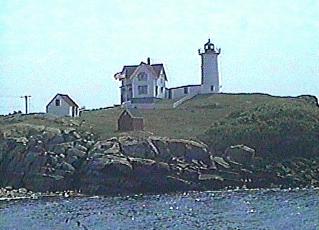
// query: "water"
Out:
[258,209]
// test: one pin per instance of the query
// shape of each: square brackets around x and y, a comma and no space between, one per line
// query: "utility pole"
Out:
[26,102]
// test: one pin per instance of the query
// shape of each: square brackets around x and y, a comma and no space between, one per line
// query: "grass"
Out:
[190,120]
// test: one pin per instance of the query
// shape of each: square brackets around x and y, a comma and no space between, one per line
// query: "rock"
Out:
[57,139]
[110,165]
[68,130]
[162,151]
[8,188]
[198,153]
[70,160]
[22,140]
[136,148]
[240,153]
[81,147]
[76,135]
[221,162]
[75,152]
[23,191]
[65,167]
[147,167]
[210,177]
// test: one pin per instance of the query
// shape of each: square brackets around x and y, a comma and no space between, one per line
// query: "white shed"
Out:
[62,105]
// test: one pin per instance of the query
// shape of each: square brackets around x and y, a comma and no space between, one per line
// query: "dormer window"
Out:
[57,102]
[142,76]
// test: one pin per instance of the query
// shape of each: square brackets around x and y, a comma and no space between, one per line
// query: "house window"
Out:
[212,88]
[142,76]
[57,102]
[162,88]
[142,89]
[156,90]
[186,90]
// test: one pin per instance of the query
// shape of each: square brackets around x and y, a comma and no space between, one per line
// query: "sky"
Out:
[75,47]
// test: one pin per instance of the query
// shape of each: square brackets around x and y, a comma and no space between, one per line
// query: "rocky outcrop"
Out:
[240,153]
[58,160]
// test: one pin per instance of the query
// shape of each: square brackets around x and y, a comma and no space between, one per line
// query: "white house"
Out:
[62,105]
[143,83]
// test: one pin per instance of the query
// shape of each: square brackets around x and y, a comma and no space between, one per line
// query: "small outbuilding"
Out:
[63,105]
[130,120]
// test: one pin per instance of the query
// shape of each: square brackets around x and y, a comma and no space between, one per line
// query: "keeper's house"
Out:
[142,84]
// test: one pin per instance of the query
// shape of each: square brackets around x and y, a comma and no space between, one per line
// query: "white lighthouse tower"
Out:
[210,74]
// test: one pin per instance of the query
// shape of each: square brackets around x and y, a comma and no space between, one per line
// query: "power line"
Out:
[9,96]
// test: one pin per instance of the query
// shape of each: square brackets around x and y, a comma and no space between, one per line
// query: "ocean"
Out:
[237,209]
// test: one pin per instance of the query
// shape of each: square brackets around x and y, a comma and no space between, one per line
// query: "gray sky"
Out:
[75,47]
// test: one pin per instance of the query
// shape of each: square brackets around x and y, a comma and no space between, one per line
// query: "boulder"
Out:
[42,182]
[145,168]
[22,140]
[57,139]
[162,150]
[240,153]
[198,153]
[60,148]
[136,148]
[109,165]
[75,152]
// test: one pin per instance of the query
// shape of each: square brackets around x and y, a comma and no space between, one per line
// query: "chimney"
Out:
[148,61]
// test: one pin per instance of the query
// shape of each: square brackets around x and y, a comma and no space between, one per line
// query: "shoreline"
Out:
[9,194]
[72,194]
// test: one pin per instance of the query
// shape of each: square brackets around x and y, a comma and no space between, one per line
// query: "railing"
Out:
[182,100]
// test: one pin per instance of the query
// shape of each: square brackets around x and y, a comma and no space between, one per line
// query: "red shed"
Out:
[130,120]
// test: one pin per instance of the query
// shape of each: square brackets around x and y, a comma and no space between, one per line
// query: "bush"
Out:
[276,129]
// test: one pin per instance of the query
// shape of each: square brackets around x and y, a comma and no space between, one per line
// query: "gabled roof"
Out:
[66,98]
[134,113]
[157,68]
[148,67]
[128,70]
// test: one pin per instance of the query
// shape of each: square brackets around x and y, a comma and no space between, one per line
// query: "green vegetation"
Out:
[276,128]
[264,122]
[276,144]
[189,120]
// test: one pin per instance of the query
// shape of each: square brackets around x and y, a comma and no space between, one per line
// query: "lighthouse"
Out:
[210,75]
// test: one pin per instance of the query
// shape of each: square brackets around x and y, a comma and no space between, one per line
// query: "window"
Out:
[142,76]
[57,102]
[212,88]
[142,89]
[156,90]
[186,90]
[162,88]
